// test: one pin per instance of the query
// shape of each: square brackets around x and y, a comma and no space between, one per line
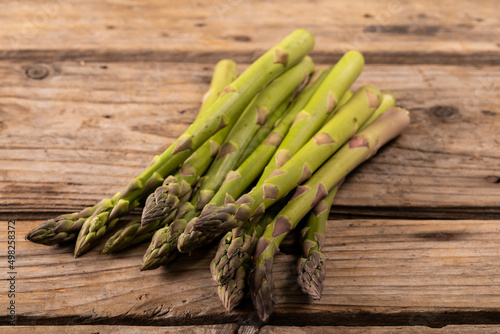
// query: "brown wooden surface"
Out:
[90,91]
[231,328]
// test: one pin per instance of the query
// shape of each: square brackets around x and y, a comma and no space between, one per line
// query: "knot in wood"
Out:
[447,114]
[37,72]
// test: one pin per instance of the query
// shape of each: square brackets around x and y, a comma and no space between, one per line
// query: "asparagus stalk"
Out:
[163,246]
[234,97]
[61,229]
[361,147]
[311,266]
[225,72]
[216,220]
[319,107]
[388,101]
[264,131]
[66,227]
[134,233]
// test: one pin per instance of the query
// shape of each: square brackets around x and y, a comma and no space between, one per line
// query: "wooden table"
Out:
[91,90]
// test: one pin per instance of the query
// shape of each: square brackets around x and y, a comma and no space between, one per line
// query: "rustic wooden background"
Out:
[90,90]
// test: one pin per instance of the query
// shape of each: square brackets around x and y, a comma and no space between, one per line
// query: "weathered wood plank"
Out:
[208,329]
[392,31]
[380,272]
[216,329]
[380,330]
[82,131]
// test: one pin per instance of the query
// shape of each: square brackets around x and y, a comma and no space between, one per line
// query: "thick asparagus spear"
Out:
[361,147]
[326,141]
[66,227]
[253,118]
[319,107]
[311,266]
[234,97]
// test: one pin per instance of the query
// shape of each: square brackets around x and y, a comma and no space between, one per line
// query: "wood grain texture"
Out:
[380,330]
[380,272]
[82,329]
[83,131]
[229,328]
[391,31]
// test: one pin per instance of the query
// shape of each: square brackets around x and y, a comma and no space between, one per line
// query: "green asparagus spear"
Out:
[234,97]
[311,266]
[361,147]
[134,233]
[233,259]
[225,72]
[61,229]
[326,141]
[388,101]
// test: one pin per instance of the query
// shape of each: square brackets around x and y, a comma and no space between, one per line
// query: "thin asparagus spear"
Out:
[388,101]
[311,266]
[361,147]
[234,97]
[225,72]
[216,220]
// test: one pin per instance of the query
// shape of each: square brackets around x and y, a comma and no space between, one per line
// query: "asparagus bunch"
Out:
[276,130]
[364,145]
[264,105]
[233,99]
